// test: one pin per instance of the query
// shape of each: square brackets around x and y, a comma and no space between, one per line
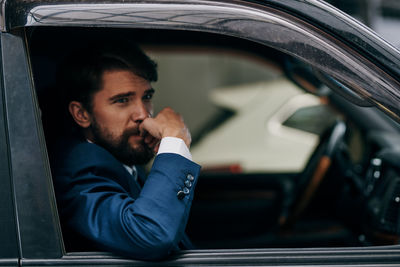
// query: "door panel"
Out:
[237,211]
[373,257]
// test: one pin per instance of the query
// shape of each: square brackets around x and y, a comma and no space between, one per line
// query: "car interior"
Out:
[277,174]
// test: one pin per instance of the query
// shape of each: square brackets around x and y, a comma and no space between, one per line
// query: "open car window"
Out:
[281,167]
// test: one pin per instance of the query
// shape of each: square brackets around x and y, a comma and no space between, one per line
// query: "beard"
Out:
[120,147]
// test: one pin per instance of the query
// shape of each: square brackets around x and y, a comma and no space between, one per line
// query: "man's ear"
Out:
[80,114]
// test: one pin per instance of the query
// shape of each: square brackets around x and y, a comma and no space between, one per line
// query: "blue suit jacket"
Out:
[101,204]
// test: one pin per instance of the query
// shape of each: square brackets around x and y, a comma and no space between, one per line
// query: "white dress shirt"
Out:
[174,145]
[167,145]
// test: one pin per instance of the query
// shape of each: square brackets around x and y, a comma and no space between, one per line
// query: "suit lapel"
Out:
[141,174]
[134,187]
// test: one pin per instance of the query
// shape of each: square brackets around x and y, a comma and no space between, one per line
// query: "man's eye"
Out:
[148,97]
[122,100]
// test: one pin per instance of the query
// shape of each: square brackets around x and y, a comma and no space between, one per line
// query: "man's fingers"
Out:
[156,147]
[151,141]
[166,123]
[150,126]
[155,144]
[148,139]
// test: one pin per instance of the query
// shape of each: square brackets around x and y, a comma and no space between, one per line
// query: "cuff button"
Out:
[186,191]
[180,195]
[188,184]
[190,177]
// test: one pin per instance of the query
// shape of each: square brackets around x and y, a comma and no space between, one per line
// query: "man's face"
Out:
[117,111]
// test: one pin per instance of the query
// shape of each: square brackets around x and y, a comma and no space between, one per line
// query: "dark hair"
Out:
[81,75]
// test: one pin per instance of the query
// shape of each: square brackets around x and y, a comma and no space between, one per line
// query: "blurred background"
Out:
[383,16]
[240,107]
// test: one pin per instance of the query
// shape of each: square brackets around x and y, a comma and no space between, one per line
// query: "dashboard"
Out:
[378,186]
[382,190]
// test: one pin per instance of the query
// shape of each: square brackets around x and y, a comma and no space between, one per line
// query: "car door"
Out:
[40,238]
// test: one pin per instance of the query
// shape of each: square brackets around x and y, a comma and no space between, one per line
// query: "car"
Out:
[278,143]
[338,205]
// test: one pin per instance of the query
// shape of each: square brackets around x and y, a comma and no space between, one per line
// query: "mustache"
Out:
[131,131]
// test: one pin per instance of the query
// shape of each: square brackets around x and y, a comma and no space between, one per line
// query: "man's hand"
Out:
[166,123]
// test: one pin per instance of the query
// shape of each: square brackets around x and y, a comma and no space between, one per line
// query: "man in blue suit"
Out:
[104,199]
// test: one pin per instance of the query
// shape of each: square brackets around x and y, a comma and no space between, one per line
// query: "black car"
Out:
[339,206]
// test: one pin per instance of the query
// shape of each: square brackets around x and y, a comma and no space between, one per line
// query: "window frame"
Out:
[261,23]
[36,216]
[9,251]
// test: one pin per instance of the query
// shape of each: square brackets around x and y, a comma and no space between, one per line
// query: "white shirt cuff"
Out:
[174,145]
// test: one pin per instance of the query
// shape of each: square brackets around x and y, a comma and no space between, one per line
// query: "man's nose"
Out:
[140,113]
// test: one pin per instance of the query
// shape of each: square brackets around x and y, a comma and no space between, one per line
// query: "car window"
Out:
[261,142]
[244,115]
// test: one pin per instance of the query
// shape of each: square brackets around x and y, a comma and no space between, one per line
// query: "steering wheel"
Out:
[317,168]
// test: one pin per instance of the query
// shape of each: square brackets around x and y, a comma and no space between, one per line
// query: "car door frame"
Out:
[9,249]
[39,235]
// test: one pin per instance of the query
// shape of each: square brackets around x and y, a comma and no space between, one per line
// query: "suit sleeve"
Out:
[94,202]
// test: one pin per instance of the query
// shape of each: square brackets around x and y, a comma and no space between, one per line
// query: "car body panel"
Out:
[8,230]
[32,184]
[244,257]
